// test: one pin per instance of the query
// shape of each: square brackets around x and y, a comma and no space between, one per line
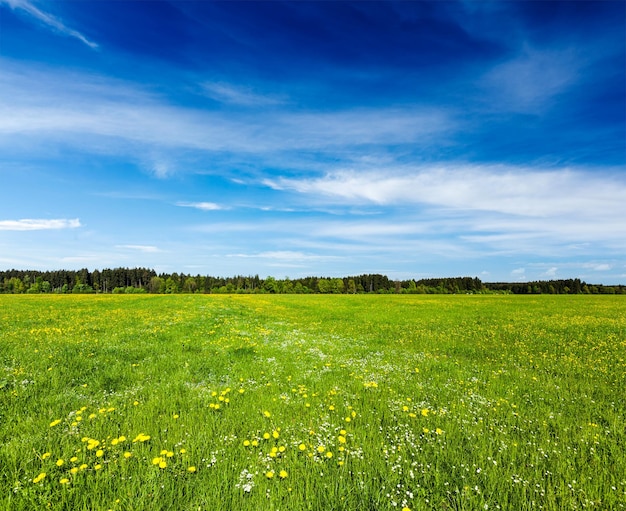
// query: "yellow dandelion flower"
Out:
[266,436]
[39,478]
[163,464]
[254,443]
[127,454]
[275,434]
[83,466]
[176,416]
[407,508]
[115,441]
[267,414]
[183,450]
[135,403]
[169,454]
[342,439]
[282,448]
[121,439]
[269,474]
[60,462]
[164,451]
[64,480]
[99,453]
[217,406]
[45,455]
[73,459]
[283,474]
[425,431]
[55,423]
[92,416]
[329,454]
[425,412]
[439,431]
[302,447]
[412,415]
[272,454]
[97,467]
[321,449]
[246,443]
[74,470]
[331,408]
[191,469]
[157,460]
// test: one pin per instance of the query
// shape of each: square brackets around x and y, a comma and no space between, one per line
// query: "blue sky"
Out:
[413,139]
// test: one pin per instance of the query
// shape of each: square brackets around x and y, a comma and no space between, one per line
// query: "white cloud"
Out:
[285,255]
[102,114]
[530,80]
[244,96]
[161,169]
[37,224]
[203,206]
[598,266]
[519,274]
[508,190]
[140,248]
[550,273]
[48,20]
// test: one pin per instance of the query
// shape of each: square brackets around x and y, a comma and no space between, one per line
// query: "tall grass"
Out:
[312,402]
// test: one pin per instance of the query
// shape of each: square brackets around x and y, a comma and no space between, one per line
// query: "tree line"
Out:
[145,280]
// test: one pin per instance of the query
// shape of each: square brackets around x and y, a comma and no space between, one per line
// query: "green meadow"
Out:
[320,402]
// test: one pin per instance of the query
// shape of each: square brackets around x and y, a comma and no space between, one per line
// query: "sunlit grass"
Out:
[312,402]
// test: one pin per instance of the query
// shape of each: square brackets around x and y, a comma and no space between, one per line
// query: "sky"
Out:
[413,139]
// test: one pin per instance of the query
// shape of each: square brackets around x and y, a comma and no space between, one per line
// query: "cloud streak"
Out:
[36,224]
[81,110]
[503,189]
[48,19]
[236,95]
[141,248]
[202,206]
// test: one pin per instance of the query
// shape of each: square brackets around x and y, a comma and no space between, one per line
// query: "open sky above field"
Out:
[413,139]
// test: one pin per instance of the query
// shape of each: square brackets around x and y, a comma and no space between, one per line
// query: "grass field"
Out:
[202,402]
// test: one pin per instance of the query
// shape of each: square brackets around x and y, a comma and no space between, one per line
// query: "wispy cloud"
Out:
[286,255]
[83,111]
[530,80]
[48,20]
[203,206]
[238,95]
[37,224]
[503,189]
[140,248]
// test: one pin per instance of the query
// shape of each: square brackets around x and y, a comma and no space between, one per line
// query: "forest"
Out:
[144,280]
